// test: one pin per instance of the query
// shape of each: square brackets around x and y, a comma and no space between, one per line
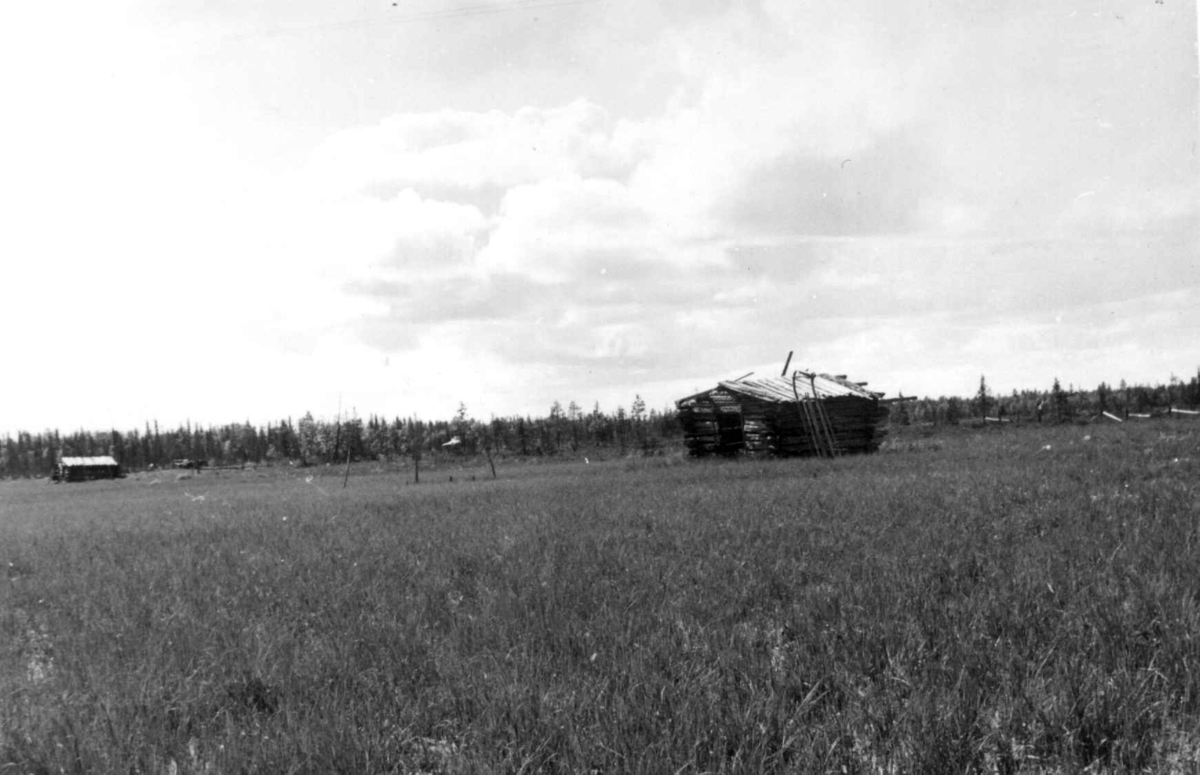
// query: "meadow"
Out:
[1024,599]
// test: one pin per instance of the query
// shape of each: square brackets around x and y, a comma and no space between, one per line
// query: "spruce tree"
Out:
[982,400]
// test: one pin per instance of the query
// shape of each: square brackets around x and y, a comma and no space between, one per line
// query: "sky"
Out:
[219,211]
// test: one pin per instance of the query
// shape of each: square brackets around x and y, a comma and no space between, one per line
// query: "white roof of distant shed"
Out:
[102,460]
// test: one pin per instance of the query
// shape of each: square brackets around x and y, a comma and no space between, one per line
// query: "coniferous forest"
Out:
[311,441]
[570,430]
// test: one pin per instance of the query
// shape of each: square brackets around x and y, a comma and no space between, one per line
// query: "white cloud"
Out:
[471,150]
[760,89]
[1110,210]
[565,229]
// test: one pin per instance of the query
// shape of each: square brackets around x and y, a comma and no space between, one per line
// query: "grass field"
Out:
[1024,600]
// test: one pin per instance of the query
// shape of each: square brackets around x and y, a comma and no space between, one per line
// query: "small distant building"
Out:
[83,469]
[801,414]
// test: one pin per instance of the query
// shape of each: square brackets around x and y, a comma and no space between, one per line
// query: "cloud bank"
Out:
[823,187]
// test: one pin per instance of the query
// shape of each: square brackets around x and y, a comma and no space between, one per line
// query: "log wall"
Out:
[721,423]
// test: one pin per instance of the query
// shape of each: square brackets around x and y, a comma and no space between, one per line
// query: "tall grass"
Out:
[1013,601]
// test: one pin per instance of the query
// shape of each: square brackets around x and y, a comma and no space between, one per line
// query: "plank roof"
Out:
[802,383]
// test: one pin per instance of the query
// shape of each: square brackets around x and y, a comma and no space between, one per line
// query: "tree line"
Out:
[311,440]
[1056,404]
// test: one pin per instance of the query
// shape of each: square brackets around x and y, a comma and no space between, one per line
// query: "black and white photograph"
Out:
[600,386]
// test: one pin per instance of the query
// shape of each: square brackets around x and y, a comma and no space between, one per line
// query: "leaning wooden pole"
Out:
[814,430]
[346,478]
[805,412]
[825,424]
